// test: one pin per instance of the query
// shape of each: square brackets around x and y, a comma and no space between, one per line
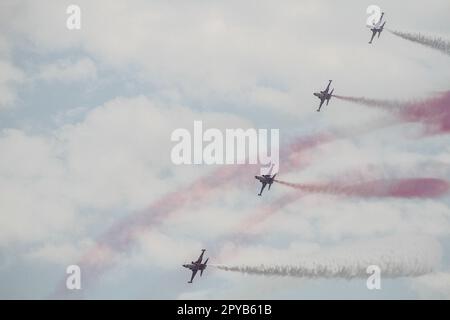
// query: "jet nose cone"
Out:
[316,94]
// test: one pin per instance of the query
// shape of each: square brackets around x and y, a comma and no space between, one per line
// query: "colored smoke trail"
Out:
[396,257]
[119,238]
[266,211]
[433,112]
[383,104]
[395,188]
[406,188]
[428,41]
[121,235]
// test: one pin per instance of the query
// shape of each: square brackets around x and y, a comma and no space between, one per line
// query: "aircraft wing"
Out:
[381,29]
[194,272]
[262,188]
[374,32]
[199,260]
[328,87]
[379,22]
[321,102]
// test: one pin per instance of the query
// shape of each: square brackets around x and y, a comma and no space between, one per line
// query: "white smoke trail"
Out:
[431,42]
[403,258]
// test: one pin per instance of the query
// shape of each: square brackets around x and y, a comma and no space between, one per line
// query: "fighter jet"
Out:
[196,266]
[324,95]
[266,179]
[377,28]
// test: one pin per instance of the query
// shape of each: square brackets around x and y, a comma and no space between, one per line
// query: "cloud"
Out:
[68,71]
[62,254]
[160,250]
[432,286]
[211,54]
[10,78]
[110,161]
[33,201]
[256,66]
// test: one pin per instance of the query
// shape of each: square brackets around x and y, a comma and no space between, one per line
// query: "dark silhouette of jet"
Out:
[324,95]
[195,266]
[377,28]
[266,179]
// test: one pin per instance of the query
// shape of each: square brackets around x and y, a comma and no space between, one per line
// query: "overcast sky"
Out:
[86,117]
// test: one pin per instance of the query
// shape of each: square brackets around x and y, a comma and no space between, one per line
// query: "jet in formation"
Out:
[196,266]
[266,179]
[324,95]
[377,28]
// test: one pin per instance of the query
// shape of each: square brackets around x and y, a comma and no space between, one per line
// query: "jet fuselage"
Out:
[195,266]
[322,95]
[265,179]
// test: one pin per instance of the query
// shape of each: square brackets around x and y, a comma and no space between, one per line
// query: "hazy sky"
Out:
[86,117]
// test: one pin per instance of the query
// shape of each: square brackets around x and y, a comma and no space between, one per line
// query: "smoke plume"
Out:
[433,112]
[396,257]
[397,188]
[427,41]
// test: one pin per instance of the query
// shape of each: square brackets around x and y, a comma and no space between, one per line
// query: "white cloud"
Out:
[10,78]
[110,161]
[156,249]
[262,57]
[62,254]
[68,70]
[260,60]
[432,286]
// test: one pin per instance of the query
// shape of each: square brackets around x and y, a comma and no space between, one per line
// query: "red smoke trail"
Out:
[296,153]
[246,230]
[433,112]
[265,211]
[121,233]
[396,188]
[388,188]
[119,238]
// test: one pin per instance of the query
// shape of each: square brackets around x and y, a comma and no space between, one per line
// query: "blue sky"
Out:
[86,117]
